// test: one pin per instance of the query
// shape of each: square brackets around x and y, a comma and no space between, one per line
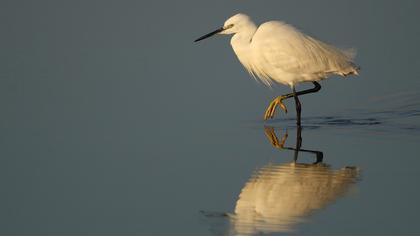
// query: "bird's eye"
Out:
[228,26]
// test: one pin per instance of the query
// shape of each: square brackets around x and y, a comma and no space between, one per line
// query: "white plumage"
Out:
[277,52]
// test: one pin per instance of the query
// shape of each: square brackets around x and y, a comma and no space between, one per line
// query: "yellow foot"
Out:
[278,101]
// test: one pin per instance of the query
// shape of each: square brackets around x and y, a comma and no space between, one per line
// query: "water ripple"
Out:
[278,197]
[394,121]
[399,112]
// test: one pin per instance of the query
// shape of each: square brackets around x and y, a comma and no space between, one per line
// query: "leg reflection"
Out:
[272,137]
[278,197]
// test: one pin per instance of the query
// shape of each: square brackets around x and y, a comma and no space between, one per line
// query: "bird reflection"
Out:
[279,196]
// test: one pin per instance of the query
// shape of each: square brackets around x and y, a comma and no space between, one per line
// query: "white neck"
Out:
[241,43]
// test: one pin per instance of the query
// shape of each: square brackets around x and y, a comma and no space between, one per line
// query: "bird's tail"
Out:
[352,68]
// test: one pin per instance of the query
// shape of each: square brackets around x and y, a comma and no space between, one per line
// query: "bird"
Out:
[277,53]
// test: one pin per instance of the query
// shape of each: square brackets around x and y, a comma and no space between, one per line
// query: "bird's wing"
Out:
[278,46]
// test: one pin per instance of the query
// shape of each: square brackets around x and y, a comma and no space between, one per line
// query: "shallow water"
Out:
[113,122]
[357,172]
[279,196]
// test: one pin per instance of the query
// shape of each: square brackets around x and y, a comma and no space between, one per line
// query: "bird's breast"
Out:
[242,51]
[245,54]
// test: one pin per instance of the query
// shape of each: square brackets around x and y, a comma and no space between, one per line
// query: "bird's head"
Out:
[232,25]
[236,23]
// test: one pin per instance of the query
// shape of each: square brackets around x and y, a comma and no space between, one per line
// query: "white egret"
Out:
[276,52]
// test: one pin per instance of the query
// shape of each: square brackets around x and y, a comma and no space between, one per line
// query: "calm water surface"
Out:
[113,122]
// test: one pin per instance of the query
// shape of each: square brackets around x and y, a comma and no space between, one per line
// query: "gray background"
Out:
[114,122]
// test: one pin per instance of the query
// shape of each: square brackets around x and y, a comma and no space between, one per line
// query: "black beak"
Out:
[210,34]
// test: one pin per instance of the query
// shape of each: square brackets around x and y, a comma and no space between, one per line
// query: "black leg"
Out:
[269,113]
[298,93]
[298,107]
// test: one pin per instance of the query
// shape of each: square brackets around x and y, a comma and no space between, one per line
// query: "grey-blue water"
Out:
[113,122]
